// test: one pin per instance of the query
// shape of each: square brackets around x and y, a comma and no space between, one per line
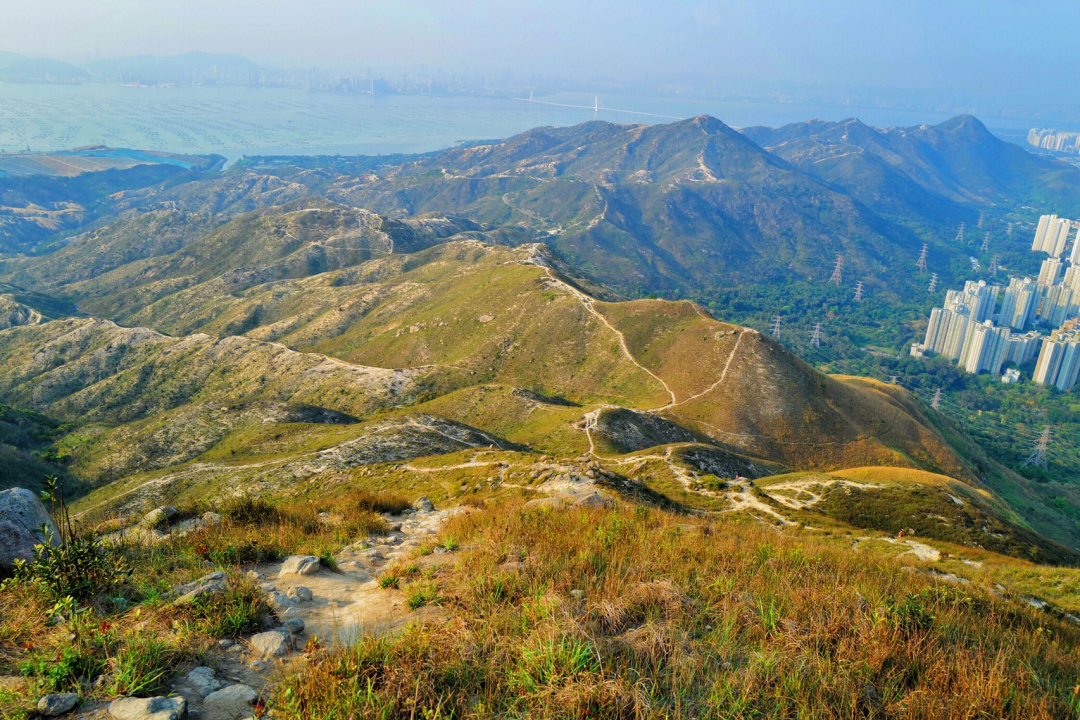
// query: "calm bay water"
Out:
[241,121]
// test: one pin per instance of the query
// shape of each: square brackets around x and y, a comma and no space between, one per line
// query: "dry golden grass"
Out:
[577,613]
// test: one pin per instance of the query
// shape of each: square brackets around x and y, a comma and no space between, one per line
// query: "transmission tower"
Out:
[921,262]
[815,337]
[835,277]
[894,380]
[994,264]
[776,326]
[933,282]
[975,264]
[858,290]
[936,402]
[986,243]
[1008,230]
[960,235]
[1038,454]
[982,216]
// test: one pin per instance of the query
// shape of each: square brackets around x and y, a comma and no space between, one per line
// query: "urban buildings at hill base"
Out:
[985,326]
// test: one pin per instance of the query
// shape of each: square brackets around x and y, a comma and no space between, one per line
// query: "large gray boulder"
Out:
[272,643]
[155,708]
[22,517]
[230,703]
[299,565]
[57,704]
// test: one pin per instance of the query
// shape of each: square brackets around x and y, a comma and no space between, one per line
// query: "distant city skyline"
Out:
[987,57]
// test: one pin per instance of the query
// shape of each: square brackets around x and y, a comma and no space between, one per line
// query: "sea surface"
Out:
[236,121]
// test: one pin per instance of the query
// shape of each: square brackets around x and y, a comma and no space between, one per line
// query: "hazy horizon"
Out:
[988,57]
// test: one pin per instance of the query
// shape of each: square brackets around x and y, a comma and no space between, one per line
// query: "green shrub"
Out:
[144,665]
[65,670]
[237,611]
[250,511]
[79,567]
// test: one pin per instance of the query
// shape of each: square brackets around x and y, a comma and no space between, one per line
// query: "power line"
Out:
[1038,454]
[835,277]
[921,262]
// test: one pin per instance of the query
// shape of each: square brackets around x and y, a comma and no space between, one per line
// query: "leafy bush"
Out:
[65,670]
[79,567]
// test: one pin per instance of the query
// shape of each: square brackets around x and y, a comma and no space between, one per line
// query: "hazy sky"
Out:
[991,48]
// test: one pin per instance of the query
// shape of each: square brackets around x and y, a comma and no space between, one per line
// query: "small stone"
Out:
[279,601]
[595,500]
[159,516]
[544,502]
[300,565]
[424,504]
[202,680]
[577,594]
[154,708]
[211,519]
[57,703]
[210,584]
[299,593]
[271,643]
[225,643]
[293,626]
[229,703]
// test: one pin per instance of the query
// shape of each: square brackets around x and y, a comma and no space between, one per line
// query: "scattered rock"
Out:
[229,703]
[202,680]
[210,584]
[299,593]
[577,594]
[293,626]
[423,504]
[225,643]
[159,516]
[595,500]
[211,519]
[154,708]
[22,521]
[57,704]
[271,643]
[545,502]
[279,601]
[300,565]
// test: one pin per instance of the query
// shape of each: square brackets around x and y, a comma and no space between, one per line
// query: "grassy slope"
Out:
[482,337]
[772,404]
[933,506]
